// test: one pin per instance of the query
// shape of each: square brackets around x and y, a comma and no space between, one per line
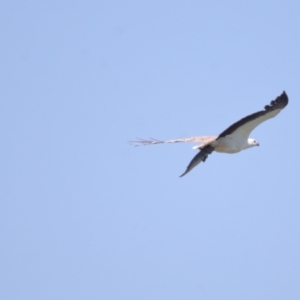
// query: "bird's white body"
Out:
[233,144]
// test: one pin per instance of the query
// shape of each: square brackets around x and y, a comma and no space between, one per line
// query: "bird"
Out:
[232,140]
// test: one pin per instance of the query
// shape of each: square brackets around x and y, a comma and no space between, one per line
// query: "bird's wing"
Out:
[201,156]
[244,126]
[203,140]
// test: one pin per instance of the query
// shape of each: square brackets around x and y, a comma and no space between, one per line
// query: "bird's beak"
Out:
[257,144]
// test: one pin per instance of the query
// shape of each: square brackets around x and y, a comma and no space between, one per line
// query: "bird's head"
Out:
[252,143]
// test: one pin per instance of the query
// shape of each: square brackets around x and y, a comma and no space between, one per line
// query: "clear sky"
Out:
[83,214]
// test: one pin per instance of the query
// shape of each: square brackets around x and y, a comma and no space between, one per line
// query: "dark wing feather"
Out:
[247,124]
[201,156]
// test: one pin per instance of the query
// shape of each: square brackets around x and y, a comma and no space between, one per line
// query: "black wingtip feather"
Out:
[279,103]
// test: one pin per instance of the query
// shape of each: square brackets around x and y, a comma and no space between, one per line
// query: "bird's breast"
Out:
[229,145]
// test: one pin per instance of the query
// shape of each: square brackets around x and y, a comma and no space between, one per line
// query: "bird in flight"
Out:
[232,140]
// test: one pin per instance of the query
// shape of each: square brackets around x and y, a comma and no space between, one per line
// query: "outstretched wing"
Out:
[195,139]
[201,156]
[244,126]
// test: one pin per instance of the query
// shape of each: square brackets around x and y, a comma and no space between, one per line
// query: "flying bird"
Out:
[232,140]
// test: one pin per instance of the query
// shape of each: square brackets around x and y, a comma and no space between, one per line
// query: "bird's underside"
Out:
[231,140]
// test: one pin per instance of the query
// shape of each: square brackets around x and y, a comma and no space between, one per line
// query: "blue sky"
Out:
[83,214]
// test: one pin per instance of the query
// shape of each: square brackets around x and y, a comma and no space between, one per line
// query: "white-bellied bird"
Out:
[232,140]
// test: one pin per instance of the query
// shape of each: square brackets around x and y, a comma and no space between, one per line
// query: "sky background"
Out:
[83,214]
